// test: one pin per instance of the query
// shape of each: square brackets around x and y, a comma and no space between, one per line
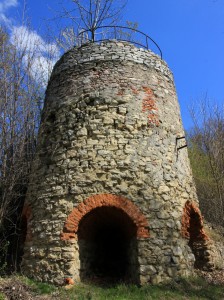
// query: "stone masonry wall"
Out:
[109,126]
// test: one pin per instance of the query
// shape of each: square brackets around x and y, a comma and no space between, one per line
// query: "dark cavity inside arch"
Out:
[108,246]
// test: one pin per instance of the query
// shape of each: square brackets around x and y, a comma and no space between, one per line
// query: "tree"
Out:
[85,18]
[21,98]
[96,13]
[206,149]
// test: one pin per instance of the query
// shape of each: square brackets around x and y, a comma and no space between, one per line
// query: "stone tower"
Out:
[111,193]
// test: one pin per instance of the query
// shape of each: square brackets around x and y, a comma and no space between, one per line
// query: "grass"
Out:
[194,289]
[2,296]
[39,288]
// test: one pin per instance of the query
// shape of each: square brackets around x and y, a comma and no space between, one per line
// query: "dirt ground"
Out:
[14,289]
[215,277]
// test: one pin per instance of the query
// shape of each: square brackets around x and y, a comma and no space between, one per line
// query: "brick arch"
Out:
[192,229]
[72,223]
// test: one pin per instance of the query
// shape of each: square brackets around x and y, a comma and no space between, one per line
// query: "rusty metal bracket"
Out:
[181,147]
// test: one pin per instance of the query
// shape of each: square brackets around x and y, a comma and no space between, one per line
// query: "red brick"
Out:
[195,229]
[72,222]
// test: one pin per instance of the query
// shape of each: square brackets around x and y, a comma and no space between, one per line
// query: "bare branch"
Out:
[95,13]
[207,156]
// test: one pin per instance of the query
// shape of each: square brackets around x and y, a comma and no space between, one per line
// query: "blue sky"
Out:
[189,32]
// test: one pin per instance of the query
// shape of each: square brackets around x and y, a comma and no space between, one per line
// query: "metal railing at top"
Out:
[120,33]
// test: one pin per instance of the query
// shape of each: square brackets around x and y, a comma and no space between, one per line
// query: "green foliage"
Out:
[194,288]
[201,168]
[44,288]
[206,153]
[208,175]
[2,297]
[206,184]
[39,287]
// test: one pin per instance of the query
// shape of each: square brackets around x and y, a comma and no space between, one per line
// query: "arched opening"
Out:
[192,228]
[197,241]
[107,246]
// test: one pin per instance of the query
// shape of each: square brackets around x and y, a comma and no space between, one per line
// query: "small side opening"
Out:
[198,240]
